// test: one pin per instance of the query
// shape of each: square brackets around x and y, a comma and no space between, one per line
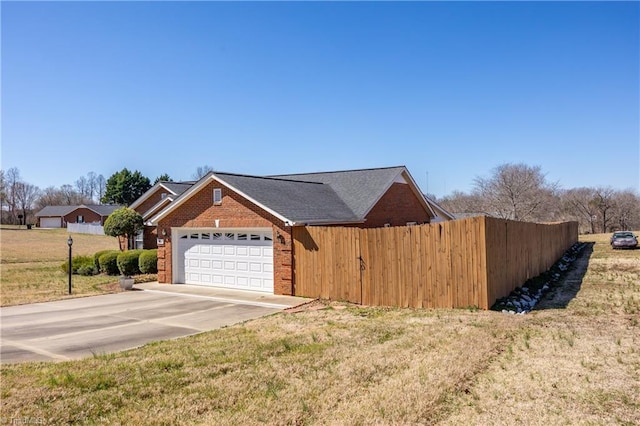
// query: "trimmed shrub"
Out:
[96,258]
[76,263]
[148,261]
[128,262]
[87,270]
[109,262]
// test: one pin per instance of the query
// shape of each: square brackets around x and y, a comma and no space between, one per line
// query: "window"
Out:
[229,236]
[255,237]
[139,242]
[163,195]
[217,196]
[217,236]
[242,237]
[79,219]
[194,236]
[205,236]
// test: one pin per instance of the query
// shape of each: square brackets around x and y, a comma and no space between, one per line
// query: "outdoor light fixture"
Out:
[164,232]
[70,243]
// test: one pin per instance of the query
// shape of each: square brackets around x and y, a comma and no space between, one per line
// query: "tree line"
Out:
[522,192]
[21,200]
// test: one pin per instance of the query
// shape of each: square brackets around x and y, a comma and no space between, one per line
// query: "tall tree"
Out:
[163,178]
[101,187]
[91,184]
[627,210]
[604,202]
[124,187]
[3,195]
[515,191]
[12,179]
[26,195]
[578,204]
[82,186]
[201,171]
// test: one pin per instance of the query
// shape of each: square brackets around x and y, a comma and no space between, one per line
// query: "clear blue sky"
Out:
[452,89]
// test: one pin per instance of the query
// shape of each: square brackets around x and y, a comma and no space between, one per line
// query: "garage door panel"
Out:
[228,259]
[50,222]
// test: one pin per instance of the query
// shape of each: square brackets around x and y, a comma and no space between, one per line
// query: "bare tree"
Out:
[626,215]
[604,202]
[101,186]
[578,204]
[82,187]
[12,178]
[3,195]
[515,191]
[459,202]
[201,171]
[91,183]
[26,195]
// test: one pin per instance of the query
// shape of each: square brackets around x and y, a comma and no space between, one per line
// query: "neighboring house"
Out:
[235,231]
[60,216]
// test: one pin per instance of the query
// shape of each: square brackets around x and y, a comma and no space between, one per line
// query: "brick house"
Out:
[234,231]
[60,216]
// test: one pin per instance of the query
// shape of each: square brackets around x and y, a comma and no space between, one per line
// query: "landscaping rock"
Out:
[523,299]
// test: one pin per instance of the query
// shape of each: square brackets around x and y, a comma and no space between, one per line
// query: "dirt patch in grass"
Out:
[336,363]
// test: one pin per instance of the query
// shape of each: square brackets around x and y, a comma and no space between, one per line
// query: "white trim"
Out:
[202,183]
[217,196]
[150,192]
[155,207]
[419,193]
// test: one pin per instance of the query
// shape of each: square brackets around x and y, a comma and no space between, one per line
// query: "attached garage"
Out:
[239,259]
[50,222]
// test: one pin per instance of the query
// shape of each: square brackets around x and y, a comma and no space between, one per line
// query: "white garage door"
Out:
[237,259]
[50,222]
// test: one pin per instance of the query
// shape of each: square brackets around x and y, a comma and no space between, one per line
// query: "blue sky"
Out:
[451,90]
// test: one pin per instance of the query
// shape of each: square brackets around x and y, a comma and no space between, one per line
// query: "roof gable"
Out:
[100,209]
[291,201]
[362,189]
[173,188]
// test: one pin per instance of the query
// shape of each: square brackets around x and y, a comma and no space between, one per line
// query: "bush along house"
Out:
[234,231]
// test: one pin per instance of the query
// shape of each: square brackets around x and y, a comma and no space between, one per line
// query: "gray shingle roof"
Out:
[296,200]
[332,197]
[359,189]
[54,211]
[178,187]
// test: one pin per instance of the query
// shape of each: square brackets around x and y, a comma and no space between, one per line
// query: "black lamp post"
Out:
[70,243]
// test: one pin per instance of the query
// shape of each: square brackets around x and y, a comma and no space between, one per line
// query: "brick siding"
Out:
[89,216]
[234,212]
[397,206]
[150,233]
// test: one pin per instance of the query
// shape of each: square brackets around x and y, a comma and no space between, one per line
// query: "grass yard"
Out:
[30,265]
[575,362]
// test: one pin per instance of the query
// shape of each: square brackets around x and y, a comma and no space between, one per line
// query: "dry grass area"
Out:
[576,360]
[30,265]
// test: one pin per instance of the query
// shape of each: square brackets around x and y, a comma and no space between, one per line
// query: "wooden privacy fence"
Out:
[461,263]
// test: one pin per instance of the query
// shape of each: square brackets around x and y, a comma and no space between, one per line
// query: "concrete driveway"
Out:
[77,328]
